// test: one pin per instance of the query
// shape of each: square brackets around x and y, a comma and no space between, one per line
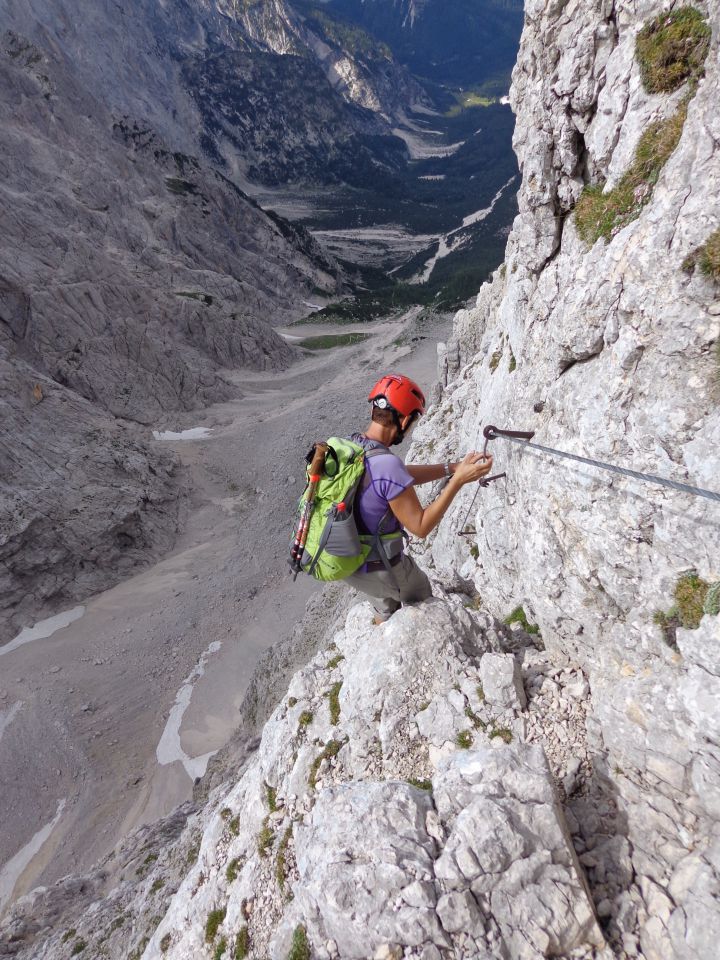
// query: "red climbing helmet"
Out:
[398,393]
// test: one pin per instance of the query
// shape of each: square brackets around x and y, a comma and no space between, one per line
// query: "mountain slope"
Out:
[463,43]
[129,275]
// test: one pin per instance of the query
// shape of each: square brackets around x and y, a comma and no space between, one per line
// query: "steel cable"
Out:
[623,471]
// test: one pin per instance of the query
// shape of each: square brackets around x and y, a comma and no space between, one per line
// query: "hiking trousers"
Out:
[408,584]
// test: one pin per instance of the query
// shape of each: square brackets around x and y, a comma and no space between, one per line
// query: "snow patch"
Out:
[13,869]
[194,433]
[7,716]
[169,748]
[43,629]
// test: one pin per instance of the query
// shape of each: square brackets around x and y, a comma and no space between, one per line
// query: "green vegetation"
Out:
[335,661]
[512,365]
[213,922]
[353,39]
[165,943]
[475,551]
[706,257]
[226,813]
[333,696]
[242,944]
[265,838]
[495,360]
[157,885]
[480,692]
[281,859]
[68,935]
[232,870]
[220,949]
[196,295]
[691,600]
[518,616]
[304,720]
[271,798]
[469,100]
[503,733]
[464,739]
[711,607]
[329,340]
[78,947]
[474,718]
[300,947]
[600,214]
[420,784]
[332,749]
[672,48]
[234,826]
[292,701]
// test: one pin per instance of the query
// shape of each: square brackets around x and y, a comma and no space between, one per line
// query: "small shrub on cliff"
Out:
[305,719]
[672,48]
[599,214]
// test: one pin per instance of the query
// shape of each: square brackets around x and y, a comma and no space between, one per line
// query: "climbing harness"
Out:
[523,439]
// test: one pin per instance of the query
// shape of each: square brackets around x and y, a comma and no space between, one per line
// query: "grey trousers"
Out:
[410,585]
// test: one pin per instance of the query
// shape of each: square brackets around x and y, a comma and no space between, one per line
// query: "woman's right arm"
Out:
[419,520]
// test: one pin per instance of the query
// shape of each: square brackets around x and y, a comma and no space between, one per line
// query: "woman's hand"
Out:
[473,468]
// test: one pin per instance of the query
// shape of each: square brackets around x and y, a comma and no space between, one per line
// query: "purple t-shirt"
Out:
[386,477]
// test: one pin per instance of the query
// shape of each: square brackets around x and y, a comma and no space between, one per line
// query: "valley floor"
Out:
[105,723]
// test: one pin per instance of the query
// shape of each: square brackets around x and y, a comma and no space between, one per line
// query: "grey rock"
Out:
[502,681]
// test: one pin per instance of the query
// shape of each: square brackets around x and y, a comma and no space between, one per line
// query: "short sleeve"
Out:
[389,475]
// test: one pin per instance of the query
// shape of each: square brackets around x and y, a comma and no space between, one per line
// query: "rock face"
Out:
[609,351]
[355,828]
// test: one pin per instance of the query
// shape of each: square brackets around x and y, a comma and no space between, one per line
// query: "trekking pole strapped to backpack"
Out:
[315,472]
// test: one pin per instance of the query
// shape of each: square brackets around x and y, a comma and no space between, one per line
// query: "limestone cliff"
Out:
[449,785]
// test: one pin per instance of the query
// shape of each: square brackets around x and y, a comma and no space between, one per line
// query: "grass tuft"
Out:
[281,859]
[421,784]
[333,696]
[464,740]
[599,214]
[265,838]
[213,922]
[78,947]
[271,798]
[690,595]
[474,718]
[503,733]
[300,947]
[706,257]
[242,944]
[672,48]
[518,616]
[220,949]
[331,664]
[305,719]
[332,749]
[232,871]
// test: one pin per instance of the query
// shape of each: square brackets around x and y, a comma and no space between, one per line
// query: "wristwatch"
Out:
[448,472]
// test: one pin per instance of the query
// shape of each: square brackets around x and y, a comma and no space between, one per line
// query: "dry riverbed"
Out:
[109,712]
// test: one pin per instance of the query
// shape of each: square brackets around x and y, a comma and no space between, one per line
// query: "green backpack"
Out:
[334,548]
